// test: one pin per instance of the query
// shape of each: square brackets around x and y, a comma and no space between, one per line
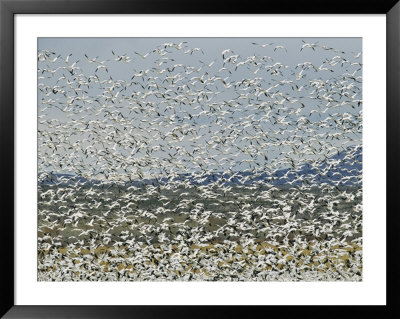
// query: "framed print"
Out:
[159,157]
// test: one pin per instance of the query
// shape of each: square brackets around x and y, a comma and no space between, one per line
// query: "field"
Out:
[239,233]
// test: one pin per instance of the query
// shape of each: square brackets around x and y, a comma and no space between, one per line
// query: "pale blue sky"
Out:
[212,48]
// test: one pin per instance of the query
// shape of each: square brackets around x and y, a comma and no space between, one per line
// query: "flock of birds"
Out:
[178,164]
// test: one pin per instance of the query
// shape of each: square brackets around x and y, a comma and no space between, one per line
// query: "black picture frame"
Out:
[9,8]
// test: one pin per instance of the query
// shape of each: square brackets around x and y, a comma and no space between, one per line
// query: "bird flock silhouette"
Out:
[195,166]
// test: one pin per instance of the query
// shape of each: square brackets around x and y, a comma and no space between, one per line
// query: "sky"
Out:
[70,117]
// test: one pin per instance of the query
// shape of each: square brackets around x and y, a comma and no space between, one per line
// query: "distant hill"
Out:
[344,169]
[61,179]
